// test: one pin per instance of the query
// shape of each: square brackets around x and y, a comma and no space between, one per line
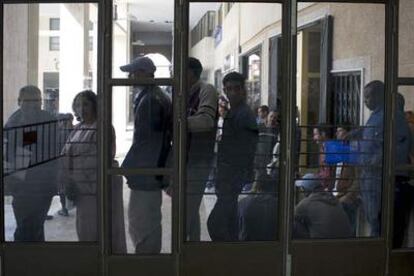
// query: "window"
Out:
[204,28]
[253,73]
[54,43]
[347,94]
[54,24]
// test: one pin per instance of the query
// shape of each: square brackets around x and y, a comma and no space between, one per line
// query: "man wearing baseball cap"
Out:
[319,214]
[149,149]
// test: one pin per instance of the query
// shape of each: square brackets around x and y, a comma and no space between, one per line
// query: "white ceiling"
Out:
[158,15]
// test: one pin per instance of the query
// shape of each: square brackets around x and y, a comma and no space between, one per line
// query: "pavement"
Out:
[62,228]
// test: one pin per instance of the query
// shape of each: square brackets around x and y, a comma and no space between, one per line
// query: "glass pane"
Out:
[406,39]
[142,119]
[49,157]
[233,153]
[404,169]
[140,28]
[340,117]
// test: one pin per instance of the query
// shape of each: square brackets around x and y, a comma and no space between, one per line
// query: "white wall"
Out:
[202,51]
[19,52]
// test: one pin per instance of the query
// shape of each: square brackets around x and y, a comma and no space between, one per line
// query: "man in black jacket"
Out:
[235,158]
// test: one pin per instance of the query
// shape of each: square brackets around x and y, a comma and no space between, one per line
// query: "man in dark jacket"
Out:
[31,161]
[319,214]
[235,159]
[149,149]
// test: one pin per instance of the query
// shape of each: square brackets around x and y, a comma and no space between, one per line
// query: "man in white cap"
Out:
[319,214]
[149,149]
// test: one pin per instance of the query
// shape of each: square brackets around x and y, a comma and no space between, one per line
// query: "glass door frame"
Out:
[185,257]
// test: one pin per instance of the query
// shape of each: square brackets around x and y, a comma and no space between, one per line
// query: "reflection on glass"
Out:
[143,142]
[253,80]
[405,39]
[143,28]
[233,153]
[404,186]
[340,122]
[42,76]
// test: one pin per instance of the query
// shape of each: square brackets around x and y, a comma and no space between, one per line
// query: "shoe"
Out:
[63,212]
[49,217]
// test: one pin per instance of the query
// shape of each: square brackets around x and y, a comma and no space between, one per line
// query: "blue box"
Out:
[337,151]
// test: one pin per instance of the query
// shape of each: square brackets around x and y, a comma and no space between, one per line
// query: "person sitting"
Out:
[258,212]
[319,214]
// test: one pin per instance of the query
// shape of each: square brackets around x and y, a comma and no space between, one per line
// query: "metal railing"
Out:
[30,145]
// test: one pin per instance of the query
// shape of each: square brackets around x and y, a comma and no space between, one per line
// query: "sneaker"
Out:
[63,212]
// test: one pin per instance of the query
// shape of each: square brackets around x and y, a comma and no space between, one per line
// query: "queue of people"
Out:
[228,148]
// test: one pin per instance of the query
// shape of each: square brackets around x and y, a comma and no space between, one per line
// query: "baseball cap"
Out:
[308,182]
[140,63]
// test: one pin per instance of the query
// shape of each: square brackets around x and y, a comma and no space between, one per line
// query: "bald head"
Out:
[30,98]
[374,94]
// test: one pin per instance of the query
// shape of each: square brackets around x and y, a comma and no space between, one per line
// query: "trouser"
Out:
[30,212]
[86,218]
[404,195]
[371,201]
[63,201]
[118,223]
[223,224]
[351,211]
[144,214]
[197,177]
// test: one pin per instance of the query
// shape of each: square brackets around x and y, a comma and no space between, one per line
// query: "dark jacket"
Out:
[152,137]
[320,215]
[237,148]
[258,218]
[31,153]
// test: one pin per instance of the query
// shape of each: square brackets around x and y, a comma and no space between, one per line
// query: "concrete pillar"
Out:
[93,55]
[120,56]
[20,52]
[73,58]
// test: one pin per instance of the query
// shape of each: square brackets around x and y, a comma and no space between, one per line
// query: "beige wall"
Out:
[359,40]
[406,41]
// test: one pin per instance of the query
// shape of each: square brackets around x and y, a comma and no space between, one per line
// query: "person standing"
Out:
[202,125]
[149,149]
[262,113]
[32,193]
[372,147]
[79,165]
[235,159]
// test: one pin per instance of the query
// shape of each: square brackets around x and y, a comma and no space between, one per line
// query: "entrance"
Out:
[146,163]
